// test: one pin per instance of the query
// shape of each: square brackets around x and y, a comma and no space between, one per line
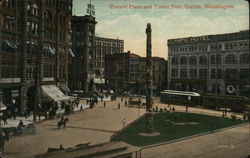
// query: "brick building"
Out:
[35,47]
[128,72]
[104,46]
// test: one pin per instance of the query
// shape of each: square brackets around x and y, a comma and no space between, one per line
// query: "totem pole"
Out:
[149,83]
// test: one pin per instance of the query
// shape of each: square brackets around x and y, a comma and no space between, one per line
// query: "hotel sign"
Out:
[188,40]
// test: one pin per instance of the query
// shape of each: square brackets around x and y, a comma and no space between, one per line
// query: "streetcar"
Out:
[180,97]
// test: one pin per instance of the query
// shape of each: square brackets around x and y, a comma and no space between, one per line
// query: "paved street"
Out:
[98,124]
[92,125]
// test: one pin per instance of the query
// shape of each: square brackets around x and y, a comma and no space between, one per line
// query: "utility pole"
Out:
[149,101]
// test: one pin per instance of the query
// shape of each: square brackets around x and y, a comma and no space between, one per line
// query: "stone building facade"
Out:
[213,64]
[35,44]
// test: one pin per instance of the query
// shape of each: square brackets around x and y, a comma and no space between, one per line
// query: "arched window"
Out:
[245,58]
[183,60]
[192,60]
[174,60]
[203,60]
[230,59]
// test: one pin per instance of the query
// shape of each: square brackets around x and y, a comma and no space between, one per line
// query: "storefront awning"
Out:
[11,44]
[54,93]
[2,106]
[64,88]
[49,50]
[71,53]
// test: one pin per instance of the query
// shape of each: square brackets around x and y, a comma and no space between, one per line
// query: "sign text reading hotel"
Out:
[189,39]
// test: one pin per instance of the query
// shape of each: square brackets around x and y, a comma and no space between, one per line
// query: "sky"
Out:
[127,20]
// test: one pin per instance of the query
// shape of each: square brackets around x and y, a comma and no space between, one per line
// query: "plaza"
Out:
[97,125]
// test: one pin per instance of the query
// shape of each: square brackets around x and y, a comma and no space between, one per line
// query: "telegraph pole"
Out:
[149,101]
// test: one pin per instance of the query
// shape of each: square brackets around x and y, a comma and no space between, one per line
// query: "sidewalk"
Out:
[29,120]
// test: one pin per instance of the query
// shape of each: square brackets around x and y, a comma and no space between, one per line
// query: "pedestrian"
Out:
[102,98]
[62,117]
[104,104]
[20,124]
[15,113]
[81,109]
[119,106]
[173,109]
[39,115]
[5,120]
[126,102]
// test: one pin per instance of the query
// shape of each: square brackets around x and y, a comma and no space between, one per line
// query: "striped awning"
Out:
[2,106]
[71,53]
[49,50]
[54,93]
[11,44]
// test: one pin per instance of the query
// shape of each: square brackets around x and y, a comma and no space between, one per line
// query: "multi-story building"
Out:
[117,71]
[35,43]
[127,72]
[82,68]
[103,47]
[217,64]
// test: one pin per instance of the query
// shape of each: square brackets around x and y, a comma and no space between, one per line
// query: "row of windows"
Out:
[10,3]
[32,10]
[8,70]
[32,27]
[10,22]
[59,5]
[214,59]
[211,47]
[48,70]
[105,44]
[215,73]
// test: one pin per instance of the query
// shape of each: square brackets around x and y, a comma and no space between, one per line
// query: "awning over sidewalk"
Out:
[48,50]
[54,93]
[64,88]
[71,53]
[2,106]
[11,44]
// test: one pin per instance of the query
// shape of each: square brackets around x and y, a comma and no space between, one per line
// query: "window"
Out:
[192,73]
[203,73]
[245,74]
[231,74]
[8,70]
[174,60]
[245,58]
[174,73]
[215,60]
[192,60]
[183,73]
[213,74]
[231,59]
[183,60]
[203,60]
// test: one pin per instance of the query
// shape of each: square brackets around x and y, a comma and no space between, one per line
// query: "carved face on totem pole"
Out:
[148,28]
